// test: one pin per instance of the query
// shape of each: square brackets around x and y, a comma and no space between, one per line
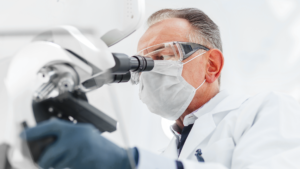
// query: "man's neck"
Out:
[196,103]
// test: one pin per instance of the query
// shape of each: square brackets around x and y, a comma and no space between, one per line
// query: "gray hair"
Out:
[205,31]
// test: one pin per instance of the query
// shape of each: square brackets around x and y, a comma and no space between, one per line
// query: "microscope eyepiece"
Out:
[126,65]
[137,63]
[141,63]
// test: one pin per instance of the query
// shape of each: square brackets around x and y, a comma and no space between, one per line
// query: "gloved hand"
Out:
[77,146]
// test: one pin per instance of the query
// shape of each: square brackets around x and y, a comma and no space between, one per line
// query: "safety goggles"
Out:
[172,51]
[175,51]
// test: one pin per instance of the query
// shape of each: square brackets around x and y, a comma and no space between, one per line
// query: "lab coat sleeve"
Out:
[267,133]
[149,160]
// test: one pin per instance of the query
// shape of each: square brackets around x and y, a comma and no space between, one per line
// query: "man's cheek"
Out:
[193,73]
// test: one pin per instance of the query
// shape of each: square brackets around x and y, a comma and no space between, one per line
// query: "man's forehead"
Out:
[174,29]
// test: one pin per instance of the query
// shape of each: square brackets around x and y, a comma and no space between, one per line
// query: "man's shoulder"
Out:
[268,103]
[271,98]
[261,98]
[266,109]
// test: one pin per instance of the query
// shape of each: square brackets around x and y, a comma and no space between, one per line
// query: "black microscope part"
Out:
[75,108]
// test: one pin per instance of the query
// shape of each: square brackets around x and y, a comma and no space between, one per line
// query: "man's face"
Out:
[206,67]
[176,29]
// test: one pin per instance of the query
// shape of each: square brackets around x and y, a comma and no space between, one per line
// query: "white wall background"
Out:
[261,42]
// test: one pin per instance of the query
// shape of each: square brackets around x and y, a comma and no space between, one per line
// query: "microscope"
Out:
[51,76]
[78,67]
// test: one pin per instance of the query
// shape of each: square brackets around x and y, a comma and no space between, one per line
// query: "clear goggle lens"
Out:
[165,51]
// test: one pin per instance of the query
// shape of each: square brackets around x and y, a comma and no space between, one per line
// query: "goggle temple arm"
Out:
[190,48]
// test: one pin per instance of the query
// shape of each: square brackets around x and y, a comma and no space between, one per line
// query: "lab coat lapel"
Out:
[171,150]
[201,129]
[205,124]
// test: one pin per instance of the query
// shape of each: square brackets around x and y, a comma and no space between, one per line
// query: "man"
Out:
[213,129]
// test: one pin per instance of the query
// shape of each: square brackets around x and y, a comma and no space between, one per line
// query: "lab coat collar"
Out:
[207,107]
[213,104]
[205,124]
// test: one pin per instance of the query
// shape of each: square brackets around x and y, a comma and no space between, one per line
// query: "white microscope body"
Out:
[56,62]
[48,67]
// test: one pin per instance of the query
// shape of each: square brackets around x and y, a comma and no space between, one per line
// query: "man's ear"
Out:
[215,62]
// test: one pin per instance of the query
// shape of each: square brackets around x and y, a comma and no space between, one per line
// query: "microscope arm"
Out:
[86,50]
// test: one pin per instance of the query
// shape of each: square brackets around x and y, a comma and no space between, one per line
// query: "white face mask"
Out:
[165,91]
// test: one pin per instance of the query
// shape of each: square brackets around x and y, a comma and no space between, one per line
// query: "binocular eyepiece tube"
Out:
[141,64]
[125,65]
[121,72]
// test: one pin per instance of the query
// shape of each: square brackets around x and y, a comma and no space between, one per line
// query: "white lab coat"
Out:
[238,132]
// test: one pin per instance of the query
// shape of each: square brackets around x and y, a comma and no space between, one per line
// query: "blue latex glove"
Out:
[77,146]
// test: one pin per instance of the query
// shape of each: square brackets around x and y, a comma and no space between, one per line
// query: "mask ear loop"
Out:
[193,59]
[201,84]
